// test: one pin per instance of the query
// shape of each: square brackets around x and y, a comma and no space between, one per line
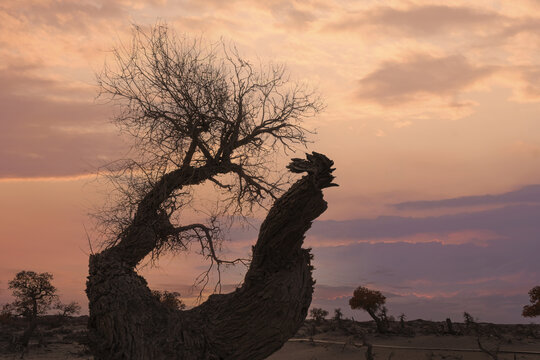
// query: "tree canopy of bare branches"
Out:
[196,113]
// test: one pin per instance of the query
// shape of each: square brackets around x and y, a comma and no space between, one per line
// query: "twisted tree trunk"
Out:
[127,322]
[32,325]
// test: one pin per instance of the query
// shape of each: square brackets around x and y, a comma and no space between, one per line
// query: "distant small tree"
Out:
[338,315]
[402,318]
[34,294]
[470,322]
[67,310]
[373,302]
[318,314]
[450,326]
[169,299]
[533,309]
[383,315]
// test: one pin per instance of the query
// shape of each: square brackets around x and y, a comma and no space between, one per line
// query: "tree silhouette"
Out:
[318,314]
[203,115]
[34,294]
[402,318]
[373,302]
[67,310]
[533,309]
[338,315]
[169,299]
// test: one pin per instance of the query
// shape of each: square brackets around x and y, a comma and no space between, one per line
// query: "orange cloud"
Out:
[64,14]
[418,20]
[530,79]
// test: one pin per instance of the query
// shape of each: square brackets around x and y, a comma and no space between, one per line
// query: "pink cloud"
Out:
[332,292]
[398,82]
[476,237]
[46,136]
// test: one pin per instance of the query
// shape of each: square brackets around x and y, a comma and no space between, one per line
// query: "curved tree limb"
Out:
[128,322]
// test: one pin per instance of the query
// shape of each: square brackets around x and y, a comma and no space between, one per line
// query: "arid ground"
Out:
[329,339]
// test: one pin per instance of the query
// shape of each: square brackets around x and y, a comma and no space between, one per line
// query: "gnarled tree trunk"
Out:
[128,322]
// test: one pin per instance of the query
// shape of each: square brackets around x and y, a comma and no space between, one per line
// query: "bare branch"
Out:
[195,112]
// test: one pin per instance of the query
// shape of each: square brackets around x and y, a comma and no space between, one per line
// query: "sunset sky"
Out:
[432,118]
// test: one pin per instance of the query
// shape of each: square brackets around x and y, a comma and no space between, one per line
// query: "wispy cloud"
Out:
[63,14]
[529,78]
[527,194]
[397,82]
[500,221]
[42,118]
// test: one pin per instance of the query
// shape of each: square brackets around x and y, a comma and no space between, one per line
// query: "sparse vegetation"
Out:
[69,339]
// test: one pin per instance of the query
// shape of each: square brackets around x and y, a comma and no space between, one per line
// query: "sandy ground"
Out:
[68,342]
[309,351]
[315,351]
[52,352]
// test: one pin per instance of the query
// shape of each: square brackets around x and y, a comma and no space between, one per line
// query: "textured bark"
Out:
[127,322]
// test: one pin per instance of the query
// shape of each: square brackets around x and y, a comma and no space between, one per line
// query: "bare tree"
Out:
[203,114]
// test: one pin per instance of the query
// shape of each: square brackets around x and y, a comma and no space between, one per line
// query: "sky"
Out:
[431,117]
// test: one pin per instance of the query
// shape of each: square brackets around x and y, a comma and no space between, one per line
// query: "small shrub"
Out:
[318,314]
[402,318]
[470,323]
[338,315]
[170,299]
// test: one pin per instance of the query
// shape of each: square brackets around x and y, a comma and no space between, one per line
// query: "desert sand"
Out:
[329,339]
